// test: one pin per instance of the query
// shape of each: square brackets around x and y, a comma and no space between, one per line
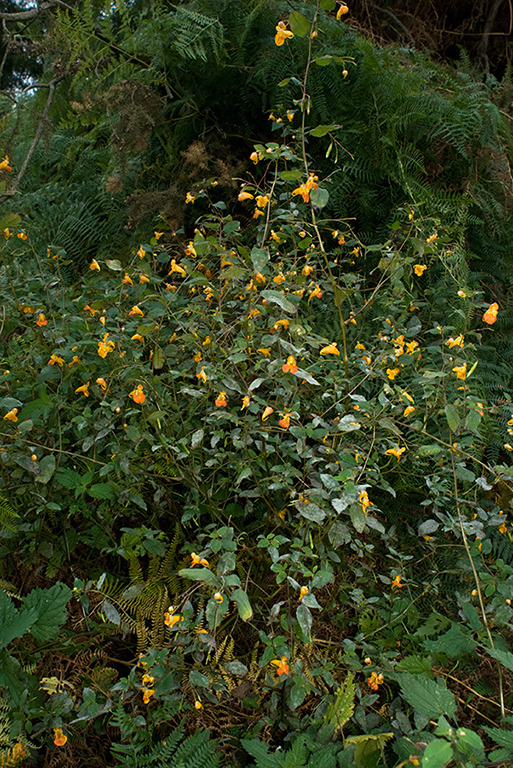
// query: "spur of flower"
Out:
[282,668]
[282,33]
[137,394]
[490,316]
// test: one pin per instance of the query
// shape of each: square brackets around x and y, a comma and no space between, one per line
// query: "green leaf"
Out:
[304,617]
[102,491]
[503,657]
[327,5]
[47,467]
[322,61]
[415,665]
[453,417]
[297,695]
[503,738]
[236,668]
[291,175]
[322,130]
[49,606]
[437,754]
[197,438]
[12,623]
[429,450]
[298,24]
[197,574]
[473,420]
[243,604]
[114,264]
[455,642]
[428,697]
[278,298]
[358,517]
[310,511]
[259,258]
[319,197]
[111,613]
[339,712]
[198,680]
[302,374]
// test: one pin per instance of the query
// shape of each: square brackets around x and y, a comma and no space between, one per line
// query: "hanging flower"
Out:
[141,252]
[392,373]
[170,619]
[374,681]
[60,737]
[254,157]
[56,359]
[342,10]
[147,694]
[245,402]
[457,342]
[302,592]
[102,383]
[189,198]
[365,501]
[11,415]
[265,351]
[104,346]
[136,311]
[4,165]
[84,389]
[262,201]
[267,412]
[290,365]
[89,309]
[198,705]
[305,189]
[202,376]
[94,265]
[282,668]
[127,280]
[397,452]
[158,235]
[282,33]
[41,320]
[143,279]
[174,267]
[331,349]
[490,316]
[137,394]
[245,195]
[419,269]
[197,560]
[396,583]
[316,293]
[190,250]
[218,598]
[460,371]
[408,410]
[307,269]
[285,421]
[221,400]
[136,337]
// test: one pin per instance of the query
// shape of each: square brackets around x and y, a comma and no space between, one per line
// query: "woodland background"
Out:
[255,383]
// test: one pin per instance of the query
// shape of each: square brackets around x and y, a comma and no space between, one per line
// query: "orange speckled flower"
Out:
[137,394]
[221,400]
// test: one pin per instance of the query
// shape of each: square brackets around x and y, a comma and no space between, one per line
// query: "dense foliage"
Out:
[255,476]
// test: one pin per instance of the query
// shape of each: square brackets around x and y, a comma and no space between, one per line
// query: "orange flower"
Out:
[285,421]
[282,668]
[89,309]
[396,583]
[374,681]
[221,400]
[198,705]
[409,409]
[460,371]
[60,738]
[102,383]
[197,560]
[127,280]
[137,394]
[419,269]
[254,156]
[282,33]
[245,402]
[11,415]
[397,452]
[245,195]
[261,201]
[56,359]
[141,252]
[170,619]
[136,311]
[218,598]
[267,412]
[365,501]
[490,316]
[342,10]
[392,373]
[305,189]
[41,320]
[331,349]
[174,267]
[104,346]
[84,389]
[302,592]
[4,165]
[290,365]
[94,265]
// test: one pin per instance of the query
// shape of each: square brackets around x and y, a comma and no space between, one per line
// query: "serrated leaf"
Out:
[12,623]
[415,665]
[49,606]
[428,697]
[503,657]
[437,754]
[102,491]
[503,738]
[341,710]
[243,604]
[298,24]
[278,298]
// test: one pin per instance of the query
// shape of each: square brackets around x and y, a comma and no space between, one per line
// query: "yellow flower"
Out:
[190,250]
[265,351]
[74,360]
[396,583]
[197,357]
[56,359]
[365,501]
[102,383]
[221,400]
[11,415]
[279,278]
[174,267]
[290,365]
[170,619]
[315,293]
[432,238]
[245,196]
[158,235]
[457,342]
[7,233]
[137,394]
[22,235]
[290,115]
[502,528]
[409,409]
[392,373]
[84,389]
[374,681]
[274,236]
[127,279]
[282,33]
[60,737]
[462,294]
[136,311]
[208,340]
[360,346]
[419,269]
[147,694]
[411,347]
[137,337]
[202,376]
[189,198]
[267,412]
[262,200]
[4,165]
[218,597]
[307,269]
[260,278]
[331,349]
[460,371]
[144,278]
[94,265]
[104,346]
[305,189]
[342,10]
[397,452]
[254,156]
[245,402]
[302,592]
[198,705]
[490,316]
[141,252]
[197,560]
[282,668]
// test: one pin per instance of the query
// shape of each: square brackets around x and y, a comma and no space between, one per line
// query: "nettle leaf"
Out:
[339,712]
[49,606]
[428,697]
[503,657]
[12,623]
